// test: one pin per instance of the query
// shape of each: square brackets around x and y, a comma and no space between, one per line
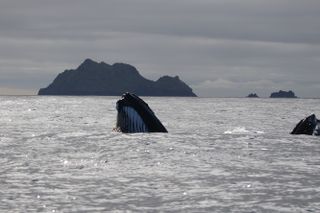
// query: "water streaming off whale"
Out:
[59,154]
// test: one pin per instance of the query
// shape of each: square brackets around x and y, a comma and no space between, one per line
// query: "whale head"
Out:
[134,115]
[308,126]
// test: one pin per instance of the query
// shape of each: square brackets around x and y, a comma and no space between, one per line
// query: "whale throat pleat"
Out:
[134,121]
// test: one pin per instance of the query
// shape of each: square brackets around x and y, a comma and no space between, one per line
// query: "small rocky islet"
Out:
[280,94]
[283,94]
[252,95]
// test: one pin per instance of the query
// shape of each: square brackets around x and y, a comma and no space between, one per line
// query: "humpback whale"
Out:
[134,115]
[308,126]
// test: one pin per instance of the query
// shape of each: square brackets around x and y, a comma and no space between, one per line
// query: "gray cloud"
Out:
[220,47]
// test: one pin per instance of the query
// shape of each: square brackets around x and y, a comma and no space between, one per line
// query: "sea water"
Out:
[59,154]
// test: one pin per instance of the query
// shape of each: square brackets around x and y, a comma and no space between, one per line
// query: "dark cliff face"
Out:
[283,94]
[92,78]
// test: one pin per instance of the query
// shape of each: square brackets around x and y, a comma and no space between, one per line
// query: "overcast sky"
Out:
[221,48]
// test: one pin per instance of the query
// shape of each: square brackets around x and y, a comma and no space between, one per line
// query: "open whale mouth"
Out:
[134,115]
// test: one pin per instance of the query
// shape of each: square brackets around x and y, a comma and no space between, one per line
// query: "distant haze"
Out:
[221,48]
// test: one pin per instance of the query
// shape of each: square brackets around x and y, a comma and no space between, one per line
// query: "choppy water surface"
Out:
[59,154]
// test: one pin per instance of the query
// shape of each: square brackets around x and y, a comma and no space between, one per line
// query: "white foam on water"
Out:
[242,130]
[237,130]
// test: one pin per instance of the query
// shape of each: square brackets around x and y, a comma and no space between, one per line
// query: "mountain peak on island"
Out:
[88,62]
[93,78]
[88,65]
[166,77]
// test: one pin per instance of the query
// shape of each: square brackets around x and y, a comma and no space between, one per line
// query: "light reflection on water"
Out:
[59,154]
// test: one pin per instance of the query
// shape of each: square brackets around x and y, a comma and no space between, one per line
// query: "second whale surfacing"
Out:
[308,126]
[134,115]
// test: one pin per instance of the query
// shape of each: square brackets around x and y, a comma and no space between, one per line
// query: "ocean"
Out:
[60,154]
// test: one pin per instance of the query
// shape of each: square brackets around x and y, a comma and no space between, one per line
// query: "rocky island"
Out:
[93,78]
[252,95]
[283,94]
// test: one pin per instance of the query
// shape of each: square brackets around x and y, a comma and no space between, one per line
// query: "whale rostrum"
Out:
[134,115]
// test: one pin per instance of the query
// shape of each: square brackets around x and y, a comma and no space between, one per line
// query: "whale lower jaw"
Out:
[129,121]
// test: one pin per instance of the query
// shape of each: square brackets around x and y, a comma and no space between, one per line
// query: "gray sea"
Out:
[59,154]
